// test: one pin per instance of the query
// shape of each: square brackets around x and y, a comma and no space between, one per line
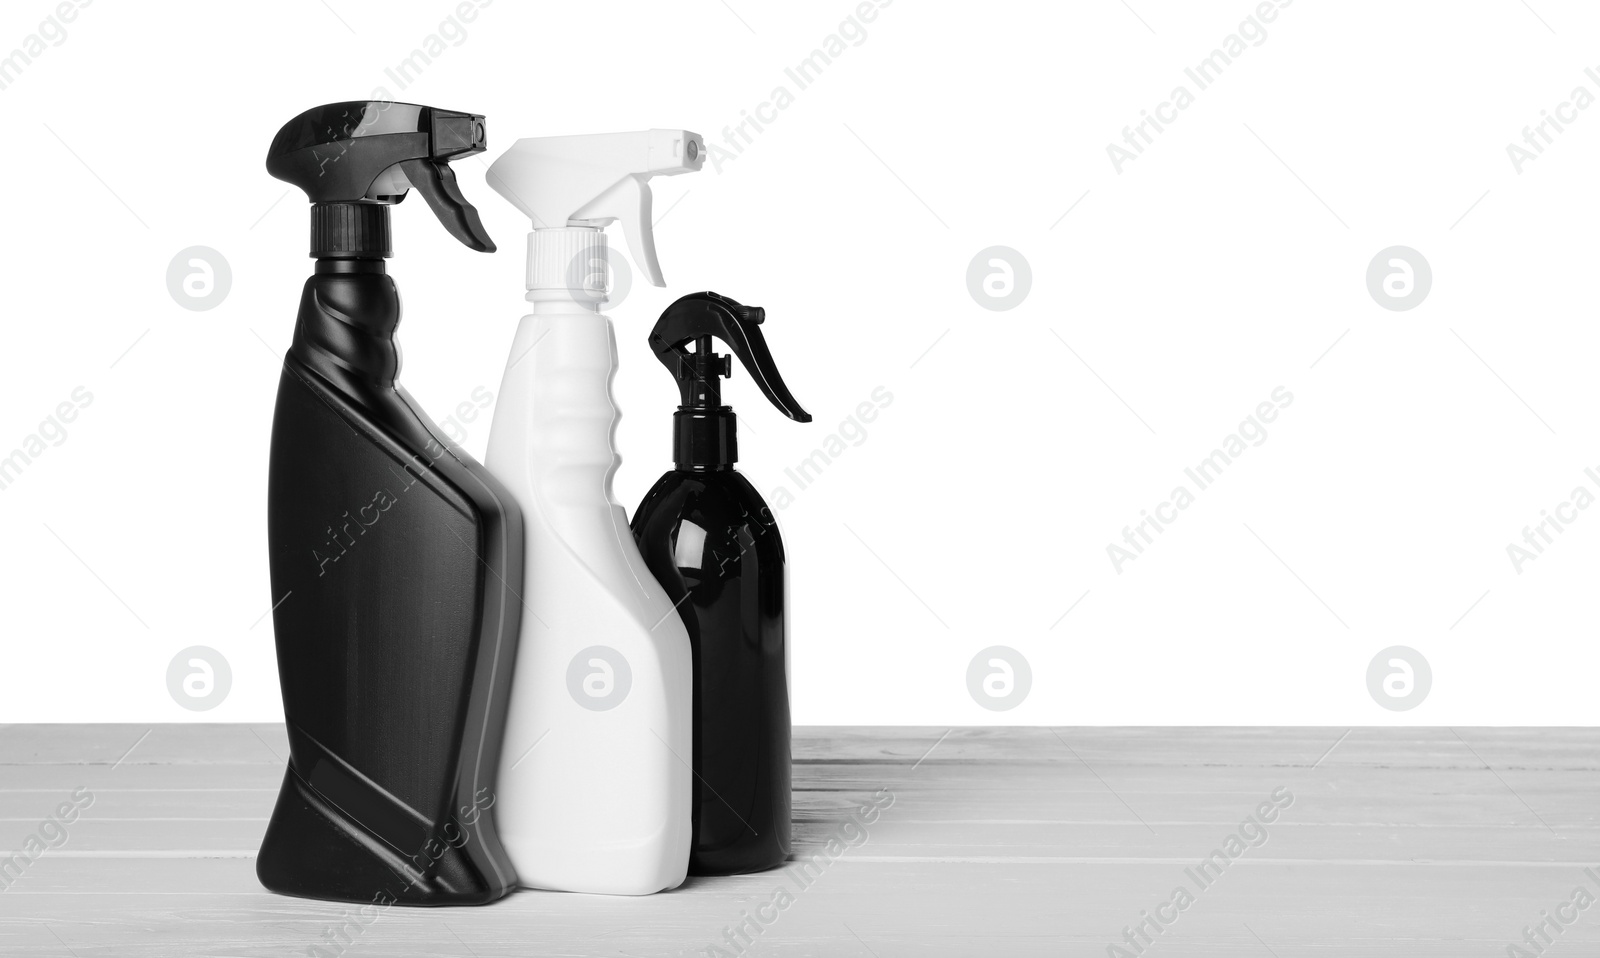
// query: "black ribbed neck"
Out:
[353,230]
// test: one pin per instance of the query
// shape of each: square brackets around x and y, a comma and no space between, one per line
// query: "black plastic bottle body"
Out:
[395,628]
[707,535]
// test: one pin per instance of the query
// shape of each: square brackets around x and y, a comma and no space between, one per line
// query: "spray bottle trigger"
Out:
[702,315]
[436,181]
[630,201]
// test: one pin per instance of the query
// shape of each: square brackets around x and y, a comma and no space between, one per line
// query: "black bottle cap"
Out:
[704,432]
[350,229]
[356,159]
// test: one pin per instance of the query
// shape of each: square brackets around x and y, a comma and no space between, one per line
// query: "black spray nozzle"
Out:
[355,159]
[700,317]
[705,432]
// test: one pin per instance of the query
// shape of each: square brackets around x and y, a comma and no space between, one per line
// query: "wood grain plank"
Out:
[1027,841]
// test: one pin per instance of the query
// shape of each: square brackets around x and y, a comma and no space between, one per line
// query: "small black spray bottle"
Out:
[713,544]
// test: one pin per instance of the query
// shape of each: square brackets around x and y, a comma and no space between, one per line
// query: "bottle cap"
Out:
[704,432]
[572,187]
[356,159]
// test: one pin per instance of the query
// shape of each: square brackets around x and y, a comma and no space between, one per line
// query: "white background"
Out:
[1223,263]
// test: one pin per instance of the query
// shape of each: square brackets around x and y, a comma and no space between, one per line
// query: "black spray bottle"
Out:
[713,544]
[391,550]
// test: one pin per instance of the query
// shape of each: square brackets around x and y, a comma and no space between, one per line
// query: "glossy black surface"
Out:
[711,542]
[396,630]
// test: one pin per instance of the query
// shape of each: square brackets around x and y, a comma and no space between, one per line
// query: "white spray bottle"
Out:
[595,780]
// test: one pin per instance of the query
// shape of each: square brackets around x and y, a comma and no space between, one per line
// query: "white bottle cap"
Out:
[572,187]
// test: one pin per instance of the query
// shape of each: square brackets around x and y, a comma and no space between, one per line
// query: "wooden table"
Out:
[1003,841]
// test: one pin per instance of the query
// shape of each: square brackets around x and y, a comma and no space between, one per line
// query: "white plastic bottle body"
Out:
[595,782]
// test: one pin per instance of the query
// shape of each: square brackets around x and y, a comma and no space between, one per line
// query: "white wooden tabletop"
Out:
[1004,841]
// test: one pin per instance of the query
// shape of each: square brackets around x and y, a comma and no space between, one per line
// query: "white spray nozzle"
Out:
[590,181]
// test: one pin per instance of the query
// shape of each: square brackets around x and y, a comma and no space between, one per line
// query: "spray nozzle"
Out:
[561,182]
[356,159]
[700,317]
[705,434]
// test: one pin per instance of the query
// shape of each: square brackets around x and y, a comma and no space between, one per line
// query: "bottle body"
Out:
[595,776]
[713,543]
[395,631]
